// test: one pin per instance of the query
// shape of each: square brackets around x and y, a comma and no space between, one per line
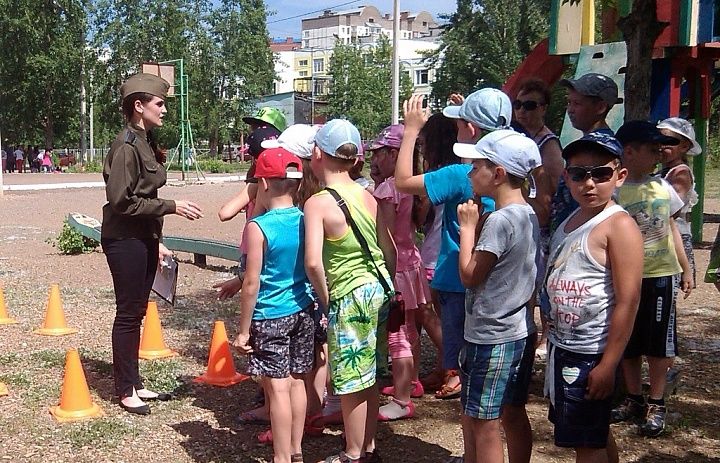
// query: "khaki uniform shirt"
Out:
[132,179]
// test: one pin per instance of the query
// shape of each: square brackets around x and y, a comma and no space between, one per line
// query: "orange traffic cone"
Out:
[4,317]
[75,401]
[55,324]
[152,344]
[3,389]
[221,368]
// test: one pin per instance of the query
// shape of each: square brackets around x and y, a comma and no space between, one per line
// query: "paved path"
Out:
[60,181]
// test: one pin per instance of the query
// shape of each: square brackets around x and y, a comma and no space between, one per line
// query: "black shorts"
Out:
[579,422]
[282,346]
[655,330]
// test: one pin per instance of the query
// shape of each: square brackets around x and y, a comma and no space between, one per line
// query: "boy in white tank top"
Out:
[593,284]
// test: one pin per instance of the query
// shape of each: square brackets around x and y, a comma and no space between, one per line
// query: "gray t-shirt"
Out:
[495,311]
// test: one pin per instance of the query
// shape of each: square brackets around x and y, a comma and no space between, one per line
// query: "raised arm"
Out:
[415,118]
[625,259]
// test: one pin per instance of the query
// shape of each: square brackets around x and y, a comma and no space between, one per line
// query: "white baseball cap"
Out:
[682,127]
[513,151]
[488,108]
[299,139]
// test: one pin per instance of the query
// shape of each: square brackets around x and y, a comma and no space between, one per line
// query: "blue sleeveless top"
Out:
[284,286]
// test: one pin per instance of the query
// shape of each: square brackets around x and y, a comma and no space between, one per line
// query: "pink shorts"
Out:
[415,290]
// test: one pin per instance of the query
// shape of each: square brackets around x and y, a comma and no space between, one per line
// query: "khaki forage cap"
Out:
[146,83]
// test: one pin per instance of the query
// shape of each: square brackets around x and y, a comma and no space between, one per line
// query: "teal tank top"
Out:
[284,286]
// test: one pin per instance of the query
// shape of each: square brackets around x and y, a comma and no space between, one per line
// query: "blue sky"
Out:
[291,27]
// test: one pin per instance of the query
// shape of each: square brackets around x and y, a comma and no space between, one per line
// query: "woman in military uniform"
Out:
[132,227]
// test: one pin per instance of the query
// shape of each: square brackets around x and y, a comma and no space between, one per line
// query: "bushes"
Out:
[71,242]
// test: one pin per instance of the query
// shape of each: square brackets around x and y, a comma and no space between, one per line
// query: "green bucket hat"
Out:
[266,115]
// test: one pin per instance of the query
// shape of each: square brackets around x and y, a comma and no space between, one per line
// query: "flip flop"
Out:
[251,417]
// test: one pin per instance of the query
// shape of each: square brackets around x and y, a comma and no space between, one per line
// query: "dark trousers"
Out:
[133,263]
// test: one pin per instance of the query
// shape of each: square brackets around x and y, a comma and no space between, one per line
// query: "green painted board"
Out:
[90,227]
[607,59]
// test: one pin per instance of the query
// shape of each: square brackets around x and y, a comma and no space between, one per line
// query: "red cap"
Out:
[278,163]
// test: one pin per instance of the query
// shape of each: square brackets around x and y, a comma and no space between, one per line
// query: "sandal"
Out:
[314,425]
[372,457]
[433,381]
[296,458]
[251,417]
[449,392]
[265,437]
[342,457]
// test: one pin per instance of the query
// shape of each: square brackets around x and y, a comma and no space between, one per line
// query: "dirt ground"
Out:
[200,425]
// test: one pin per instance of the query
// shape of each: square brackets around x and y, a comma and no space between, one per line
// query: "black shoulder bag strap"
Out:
[358,234]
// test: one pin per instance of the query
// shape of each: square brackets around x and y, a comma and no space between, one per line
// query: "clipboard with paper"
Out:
[166,277]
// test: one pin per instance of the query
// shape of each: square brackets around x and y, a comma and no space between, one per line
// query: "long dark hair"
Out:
[128,110]
[440,134]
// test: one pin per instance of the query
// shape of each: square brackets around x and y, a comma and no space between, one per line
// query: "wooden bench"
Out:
[200,248]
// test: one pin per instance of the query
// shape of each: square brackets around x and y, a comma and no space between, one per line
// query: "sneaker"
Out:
[417,391]
[654,424]
[396,410]
[630,410]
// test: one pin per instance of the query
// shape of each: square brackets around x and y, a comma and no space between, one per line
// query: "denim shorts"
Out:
[489,374]
[452,319]
[518,394]
[579,422]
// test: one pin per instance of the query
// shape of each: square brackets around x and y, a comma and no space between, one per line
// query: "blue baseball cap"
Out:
[643,132]
[488,108]
[336,133]
[592,140]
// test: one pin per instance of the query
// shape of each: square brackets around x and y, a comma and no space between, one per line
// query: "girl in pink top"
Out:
[397,210]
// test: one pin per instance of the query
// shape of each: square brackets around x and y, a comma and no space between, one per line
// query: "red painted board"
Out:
[538,64]
[668,11]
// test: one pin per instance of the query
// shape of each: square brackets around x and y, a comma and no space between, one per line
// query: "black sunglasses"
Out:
[528,105]
[599,174]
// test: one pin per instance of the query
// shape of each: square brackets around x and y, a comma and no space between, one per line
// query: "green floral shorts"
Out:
[357,337]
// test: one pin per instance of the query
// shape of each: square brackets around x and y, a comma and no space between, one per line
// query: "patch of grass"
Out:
[9,358]
[39,394]
[16,379]
[712,185]
[48,358]
[99,361]
[100,433]
[161,375]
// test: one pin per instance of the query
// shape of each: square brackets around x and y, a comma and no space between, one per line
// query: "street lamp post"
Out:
[312,85]
[396,63]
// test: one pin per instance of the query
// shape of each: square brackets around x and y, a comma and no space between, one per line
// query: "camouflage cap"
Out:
[145,83]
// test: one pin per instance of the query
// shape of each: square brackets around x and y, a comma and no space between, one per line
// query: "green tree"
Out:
[484,41]
[40,70]
[238,64]
[361,85]
[128,33]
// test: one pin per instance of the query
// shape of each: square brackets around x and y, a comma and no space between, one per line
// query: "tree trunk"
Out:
[213,140]
[640,29]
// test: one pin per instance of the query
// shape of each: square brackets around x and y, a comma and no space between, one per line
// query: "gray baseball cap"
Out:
[488,108]
[594,84]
